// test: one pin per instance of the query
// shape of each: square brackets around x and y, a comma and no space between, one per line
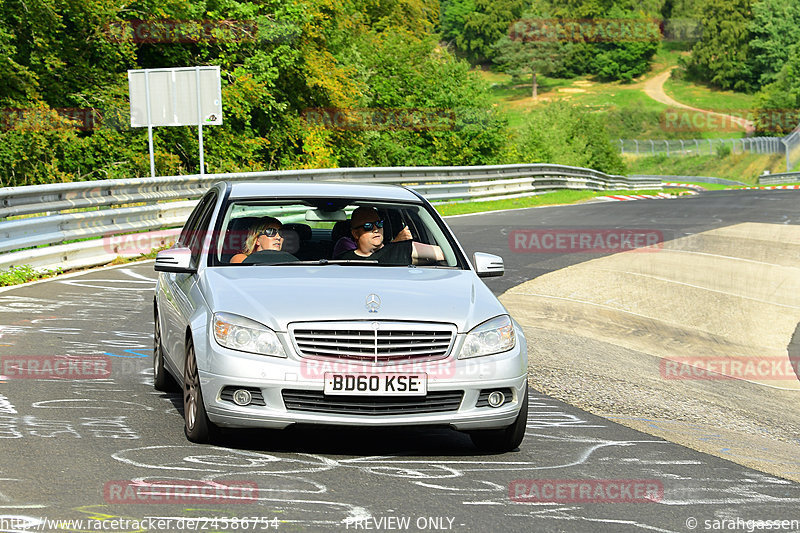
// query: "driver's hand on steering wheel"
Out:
[404,235]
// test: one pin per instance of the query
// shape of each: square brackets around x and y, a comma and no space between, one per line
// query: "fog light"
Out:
[243,397]
[497,398]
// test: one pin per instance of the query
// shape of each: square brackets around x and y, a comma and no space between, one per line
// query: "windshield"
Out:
[342,231]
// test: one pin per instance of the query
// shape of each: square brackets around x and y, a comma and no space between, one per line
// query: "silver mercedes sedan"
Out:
[334,303]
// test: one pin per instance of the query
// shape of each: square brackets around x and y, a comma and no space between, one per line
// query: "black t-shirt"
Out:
[392,253]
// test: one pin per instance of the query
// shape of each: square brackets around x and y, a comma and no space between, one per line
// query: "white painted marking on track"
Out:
[25,506]
[700,287]
[585,302]
[131,273]
[80,404]
[648,462]
[89,284]
[492,487]
[723,256]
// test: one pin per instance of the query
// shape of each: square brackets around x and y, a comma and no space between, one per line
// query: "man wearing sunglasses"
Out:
[266,235]
[366,227]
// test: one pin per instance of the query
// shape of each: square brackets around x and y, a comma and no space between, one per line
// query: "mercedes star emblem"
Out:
[373,303]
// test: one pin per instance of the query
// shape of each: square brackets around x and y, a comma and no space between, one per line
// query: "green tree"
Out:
[623,61]
[778,103]
[596,9]
[614,40]
[485,25]
[720,58]
[406,73]
[17,83]
[417,16]
[454,14]
[63,46]
[775,28]
[524,55]
[566,135]
[680,9]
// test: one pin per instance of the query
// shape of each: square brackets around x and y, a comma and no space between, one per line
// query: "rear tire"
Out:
[506,439]
[197,427]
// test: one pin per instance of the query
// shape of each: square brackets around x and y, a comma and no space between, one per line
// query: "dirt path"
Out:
[654,88]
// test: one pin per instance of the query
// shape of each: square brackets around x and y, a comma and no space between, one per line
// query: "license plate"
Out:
[376,384]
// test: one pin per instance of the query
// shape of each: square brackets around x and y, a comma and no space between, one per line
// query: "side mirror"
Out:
[488,265]
[176,260]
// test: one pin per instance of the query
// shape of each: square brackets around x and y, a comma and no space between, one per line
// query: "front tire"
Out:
[506,439]
[197,427]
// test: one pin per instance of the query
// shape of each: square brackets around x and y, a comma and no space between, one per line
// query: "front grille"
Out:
[317,402]
[258,397]
[374,341]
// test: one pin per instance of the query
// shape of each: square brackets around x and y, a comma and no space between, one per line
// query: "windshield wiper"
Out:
[331,262]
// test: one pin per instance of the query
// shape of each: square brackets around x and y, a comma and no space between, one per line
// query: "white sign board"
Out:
[186,96]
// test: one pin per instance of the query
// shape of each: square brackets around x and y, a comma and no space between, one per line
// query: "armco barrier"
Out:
[692,179]
[37,220]
[778,179]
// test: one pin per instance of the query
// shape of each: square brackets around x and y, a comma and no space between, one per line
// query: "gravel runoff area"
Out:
[649,339]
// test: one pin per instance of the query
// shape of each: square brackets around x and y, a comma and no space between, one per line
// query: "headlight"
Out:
[493,336]
[243,334]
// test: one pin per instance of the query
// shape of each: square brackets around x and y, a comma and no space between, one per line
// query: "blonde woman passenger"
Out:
[266,235]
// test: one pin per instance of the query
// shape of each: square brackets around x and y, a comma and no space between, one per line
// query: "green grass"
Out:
[703,97]
[707,186]
[564,197]
[740,167]
[610,96]
[23,274]
[514,97]
[503,87]
[667,56]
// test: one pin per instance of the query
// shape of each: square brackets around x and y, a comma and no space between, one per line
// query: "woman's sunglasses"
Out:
[271,232]
[369,226]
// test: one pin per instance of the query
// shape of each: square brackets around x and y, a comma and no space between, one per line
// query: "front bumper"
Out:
[272,376]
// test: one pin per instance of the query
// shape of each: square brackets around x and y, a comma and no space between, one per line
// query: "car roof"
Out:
[320,189]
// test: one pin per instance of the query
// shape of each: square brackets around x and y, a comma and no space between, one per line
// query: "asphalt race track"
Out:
[72,449]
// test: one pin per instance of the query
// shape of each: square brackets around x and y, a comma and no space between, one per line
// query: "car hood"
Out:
[279,295]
